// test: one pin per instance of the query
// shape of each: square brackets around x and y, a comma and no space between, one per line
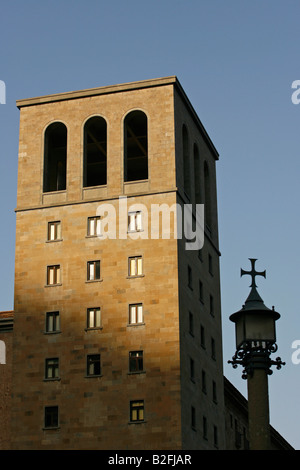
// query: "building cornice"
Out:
[104,90]
[6,321]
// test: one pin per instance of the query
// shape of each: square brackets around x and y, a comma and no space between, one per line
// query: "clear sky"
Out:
[236,61]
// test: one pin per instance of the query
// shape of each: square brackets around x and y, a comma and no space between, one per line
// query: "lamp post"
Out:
[255,342]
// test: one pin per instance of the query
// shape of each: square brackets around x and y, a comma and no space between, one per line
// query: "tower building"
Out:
[117,323]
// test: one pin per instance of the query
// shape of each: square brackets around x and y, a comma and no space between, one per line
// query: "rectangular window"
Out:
[52,322]
[191,324]
[190,278]
[135,221]
[203,380]
[94,226]
[135,361]
[214,389]
[135,266]
[210,264]
[53,275]
[93,365]
[204,427]
[211,305]
[192,370]
[216,436]
[135,314]
[51,417]
[93,270]
[193,418]
[201,291]
[94,317]
[52,368]
[137,411]
[54,231]
[202,336]
[213,349]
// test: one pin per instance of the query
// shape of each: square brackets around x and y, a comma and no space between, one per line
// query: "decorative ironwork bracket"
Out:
[256,355]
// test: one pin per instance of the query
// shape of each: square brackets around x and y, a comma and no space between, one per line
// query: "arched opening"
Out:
[95,152]
[197,175]
[135,146]
[55,157]
[207,202]
[186,162]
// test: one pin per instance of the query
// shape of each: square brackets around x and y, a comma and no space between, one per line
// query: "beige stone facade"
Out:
[178,391]
[6,353]
[115,342]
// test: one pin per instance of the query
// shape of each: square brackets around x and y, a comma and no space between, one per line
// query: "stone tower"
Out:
[117,339]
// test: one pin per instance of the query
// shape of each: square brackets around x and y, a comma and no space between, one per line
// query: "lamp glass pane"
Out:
[259,327]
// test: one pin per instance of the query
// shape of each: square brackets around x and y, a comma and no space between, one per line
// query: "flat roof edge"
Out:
[154,82]
[96,91]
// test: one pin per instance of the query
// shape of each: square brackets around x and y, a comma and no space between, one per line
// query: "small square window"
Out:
[52,368]
[53,275]
[94,226]
[135,266]
[51,417]
[52,322]
[135,221]
[135,314]
[94,317]
[93,270]
[54,231]
[93,365]
[137,411]
[135,361]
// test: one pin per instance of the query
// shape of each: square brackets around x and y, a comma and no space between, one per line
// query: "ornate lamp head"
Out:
[255,327]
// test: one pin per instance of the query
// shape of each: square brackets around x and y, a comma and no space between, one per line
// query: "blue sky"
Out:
[236,61]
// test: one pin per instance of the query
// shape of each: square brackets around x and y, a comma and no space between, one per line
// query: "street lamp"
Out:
[255,342]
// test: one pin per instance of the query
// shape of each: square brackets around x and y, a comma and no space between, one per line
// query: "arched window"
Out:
[55,157]
[197,175]
[95,152]
[186,162]
[135,146]
[207,202]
